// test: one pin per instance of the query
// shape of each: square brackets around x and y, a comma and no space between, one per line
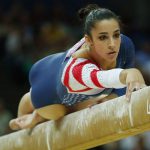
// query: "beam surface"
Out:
[103,123]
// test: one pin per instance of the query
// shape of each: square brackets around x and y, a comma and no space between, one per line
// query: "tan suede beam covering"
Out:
[103,123]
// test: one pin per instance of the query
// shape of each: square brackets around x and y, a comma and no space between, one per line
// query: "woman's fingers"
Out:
[129,91]
[131,87]
[134,81]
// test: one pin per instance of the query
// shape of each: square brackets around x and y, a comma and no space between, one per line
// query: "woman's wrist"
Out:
[131,75]
[123,76]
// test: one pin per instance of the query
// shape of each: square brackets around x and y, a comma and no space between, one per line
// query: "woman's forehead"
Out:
[107,25]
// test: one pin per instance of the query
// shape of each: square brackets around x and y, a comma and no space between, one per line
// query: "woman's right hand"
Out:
[133,79]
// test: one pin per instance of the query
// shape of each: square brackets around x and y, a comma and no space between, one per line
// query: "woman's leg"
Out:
[27,115]
[50,112]
[25,105]
[53,112]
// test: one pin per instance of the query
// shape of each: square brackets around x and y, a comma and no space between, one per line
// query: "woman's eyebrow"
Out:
[117,30]
[103,33]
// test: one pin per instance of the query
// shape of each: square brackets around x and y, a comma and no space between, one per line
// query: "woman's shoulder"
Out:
[127,52]
[126,40]
[127,45]
[78,60]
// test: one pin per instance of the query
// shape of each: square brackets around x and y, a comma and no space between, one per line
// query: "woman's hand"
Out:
[133,79]
[98,100]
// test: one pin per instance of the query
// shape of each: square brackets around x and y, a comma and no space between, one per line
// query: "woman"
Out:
[90,72]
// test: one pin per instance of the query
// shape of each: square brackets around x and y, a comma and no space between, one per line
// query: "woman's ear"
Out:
[88,40]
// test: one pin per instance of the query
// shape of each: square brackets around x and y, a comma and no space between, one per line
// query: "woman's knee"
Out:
[25,105]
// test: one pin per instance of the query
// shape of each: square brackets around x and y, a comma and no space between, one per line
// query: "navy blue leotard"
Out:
[45,77]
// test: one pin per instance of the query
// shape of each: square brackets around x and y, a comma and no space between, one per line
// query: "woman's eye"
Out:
[117,35]
[103,37]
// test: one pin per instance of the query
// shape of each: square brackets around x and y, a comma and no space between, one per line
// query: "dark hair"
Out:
[93,13]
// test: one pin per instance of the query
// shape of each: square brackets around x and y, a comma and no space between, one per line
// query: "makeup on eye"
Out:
[106,36]
[103,37]
[116,35]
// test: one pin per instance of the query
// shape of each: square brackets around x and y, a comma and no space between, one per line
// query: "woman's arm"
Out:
[91,102]
[82,75]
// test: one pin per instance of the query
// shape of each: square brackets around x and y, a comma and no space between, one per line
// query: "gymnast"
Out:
[98,68]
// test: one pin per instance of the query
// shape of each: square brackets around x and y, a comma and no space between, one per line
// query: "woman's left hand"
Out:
[107,98]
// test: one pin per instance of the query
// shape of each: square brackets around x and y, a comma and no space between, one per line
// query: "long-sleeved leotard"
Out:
[84,77]
[61,79]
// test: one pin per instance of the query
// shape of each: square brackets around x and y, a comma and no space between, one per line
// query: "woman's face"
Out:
[105,41]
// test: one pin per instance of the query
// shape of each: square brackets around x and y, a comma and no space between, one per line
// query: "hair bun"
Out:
[83,12]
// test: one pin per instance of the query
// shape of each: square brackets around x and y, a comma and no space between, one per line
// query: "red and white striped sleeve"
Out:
[81,75]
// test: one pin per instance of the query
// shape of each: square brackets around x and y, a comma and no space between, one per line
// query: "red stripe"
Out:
[95,79]
[77,72]
[66,78]
[84,90]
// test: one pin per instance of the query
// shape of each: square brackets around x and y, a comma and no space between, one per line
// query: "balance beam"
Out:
[103,123]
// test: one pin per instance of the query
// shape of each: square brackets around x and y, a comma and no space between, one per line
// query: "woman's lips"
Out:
[112,54]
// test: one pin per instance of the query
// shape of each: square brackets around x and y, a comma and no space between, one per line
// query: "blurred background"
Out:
[32,29]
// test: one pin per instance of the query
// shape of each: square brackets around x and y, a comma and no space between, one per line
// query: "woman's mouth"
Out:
[112,54]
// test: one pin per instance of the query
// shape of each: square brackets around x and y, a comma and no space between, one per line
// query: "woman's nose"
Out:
[111,43]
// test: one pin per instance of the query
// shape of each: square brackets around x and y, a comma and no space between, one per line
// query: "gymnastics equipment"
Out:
[103,123]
